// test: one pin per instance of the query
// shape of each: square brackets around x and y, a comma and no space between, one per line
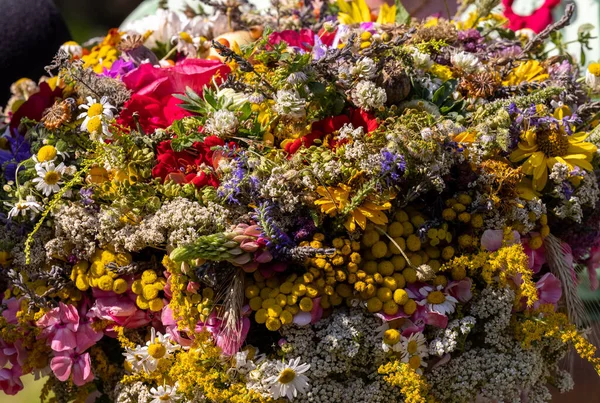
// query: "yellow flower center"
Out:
[412,347]
[95,109]
[165,397]
[186,37]
[391,336]
[94,125]
[594,68]
[157,350]
[414,362]
[46,153]
[552,143]
[436,297]
[287,376]
[51,177]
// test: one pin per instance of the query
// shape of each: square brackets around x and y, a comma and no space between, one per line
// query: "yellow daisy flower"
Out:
[542,149]
[357,11]
[528,71]
[336,199]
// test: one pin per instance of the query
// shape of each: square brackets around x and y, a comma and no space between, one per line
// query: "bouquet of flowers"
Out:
[308,204]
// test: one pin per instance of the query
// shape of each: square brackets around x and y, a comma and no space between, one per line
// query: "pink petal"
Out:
[61,366]
[64,339]
[436,319]
[86,337]
[461,290]
[263,256]
[491,239]
[317,312]
[549,289]
[82,370]
[302,318]
[69,314]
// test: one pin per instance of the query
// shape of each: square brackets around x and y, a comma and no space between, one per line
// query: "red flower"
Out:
[35,105]
[303,39]
[153,90]
[192,165]
[358,118]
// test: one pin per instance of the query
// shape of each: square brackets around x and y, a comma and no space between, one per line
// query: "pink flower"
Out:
[461,290]
[120,309]
[67,363]
[86,336]
[592,265]
[491,239]
[12,307]
[536,257]
[10,380]
[549,290]
[60,325]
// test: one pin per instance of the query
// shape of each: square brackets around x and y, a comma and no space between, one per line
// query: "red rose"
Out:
[153,89]
[358,118]
[192,165]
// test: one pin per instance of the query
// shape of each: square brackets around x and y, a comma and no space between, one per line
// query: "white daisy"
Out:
[96,116]
[164,394]
[136,357]
[49,177]
[436,300]
[159,346]
[415,350]
[415,344]
[30,204]
[289,379]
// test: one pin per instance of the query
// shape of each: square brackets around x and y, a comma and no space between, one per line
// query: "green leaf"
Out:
[582,56]
[246,111]
[402,15]
[444,92]
[316,88]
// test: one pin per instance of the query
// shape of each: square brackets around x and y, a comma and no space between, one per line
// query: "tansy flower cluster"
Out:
[305,204]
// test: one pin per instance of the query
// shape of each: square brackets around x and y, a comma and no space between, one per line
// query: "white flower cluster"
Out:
[222,123]
[368,96]
[343,351]
[489,375]
[573,200]
[177,222]
[494,306]
[447,340]
[290,105]
[365,68]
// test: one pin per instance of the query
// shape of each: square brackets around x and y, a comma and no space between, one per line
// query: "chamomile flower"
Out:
[415,344]
[30,204]
[159,346]
[135,357]
[437,301]
[165,394]
[95,117]
[592,76]
[49,177]
[289,380]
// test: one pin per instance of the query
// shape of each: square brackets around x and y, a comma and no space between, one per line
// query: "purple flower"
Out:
[471,39]
[118,69]
[86,196]
[392,166]
[13,149]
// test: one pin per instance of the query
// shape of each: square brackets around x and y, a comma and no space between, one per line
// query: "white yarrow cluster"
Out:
[467,62]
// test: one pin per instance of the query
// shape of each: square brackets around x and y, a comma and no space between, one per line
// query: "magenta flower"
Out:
[536,257]
[10,380]
[549,290]
[67,363]
[60,325]
[592,265]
